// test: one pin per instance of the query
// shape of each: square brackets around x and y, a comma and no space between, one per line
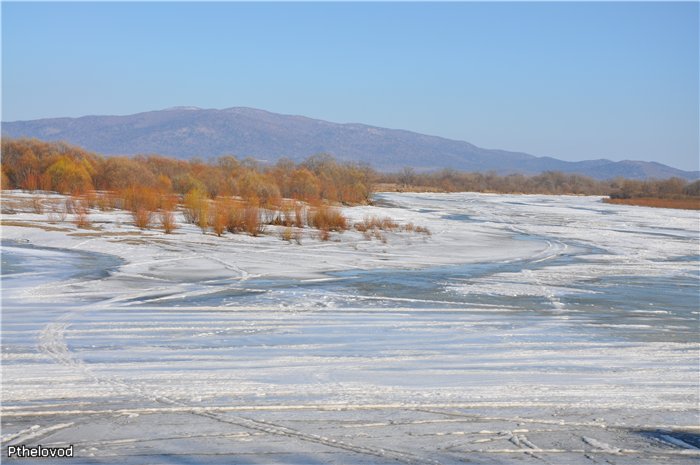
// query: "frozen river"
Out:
[525,329]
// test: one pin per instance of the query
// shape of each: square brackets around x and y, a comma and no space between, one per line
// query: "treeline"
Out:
[550,182]
[673,188]
[31,164]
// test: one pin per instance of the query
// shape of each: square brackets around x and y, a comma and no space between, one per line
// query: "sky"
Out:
[570,80]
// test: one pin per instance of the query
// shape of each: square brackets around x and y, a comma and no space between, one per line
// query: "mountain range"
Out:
[186,132]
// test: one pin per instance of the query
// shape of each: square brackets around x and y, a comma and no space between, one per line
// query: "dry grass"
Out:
[684,204]
[423,230]
[324,235]
[287,234]
[379,236]
[167,221]
[29,224]
[142,217]
[103,233]
[393,187]
[374,226]
[327,218]
[374,222]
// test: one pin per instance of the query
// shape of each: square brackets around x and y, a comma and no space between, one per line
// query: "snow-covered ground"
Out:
[524,329]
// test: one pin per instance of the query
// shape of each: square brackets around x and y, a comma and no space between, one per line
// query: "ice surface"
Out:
[523,329]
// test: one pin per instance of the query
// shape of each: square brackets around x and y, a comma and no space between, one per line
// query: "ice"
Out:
[523,329]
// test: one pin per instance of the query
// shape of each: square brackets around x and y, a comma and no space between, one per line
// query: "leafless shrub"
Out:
[69,205]
[299,214]
[57,212]
[81,212]
[37,205]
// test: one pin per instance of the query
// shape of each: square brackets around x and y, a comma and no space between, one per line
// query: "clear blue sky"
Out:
[569,80]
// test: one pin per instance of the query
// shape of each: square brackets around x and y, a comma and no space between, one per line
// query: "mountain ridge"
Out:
[186,132]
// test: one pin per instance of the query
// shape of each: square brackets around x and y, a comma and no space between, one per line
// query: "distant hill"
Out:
[186,132]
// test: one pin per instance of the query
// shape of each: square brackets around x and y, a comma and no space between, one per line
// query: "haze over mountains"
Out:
[186,132]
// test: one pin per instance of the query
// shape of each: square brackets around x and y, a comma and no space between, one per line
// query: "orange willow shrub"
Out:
[303,185]
[252,220]
[5,183]
[235,218]
[142,202]
[68,175]
[167,221]
[218,217]
[32,164]
[257,188]
[119,173]
[142,218]
[241,216]
[196,207]
[328,218]
[140,197]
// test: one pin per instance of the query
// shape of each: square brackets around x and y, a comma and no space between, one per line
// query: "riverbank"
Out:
[682,204]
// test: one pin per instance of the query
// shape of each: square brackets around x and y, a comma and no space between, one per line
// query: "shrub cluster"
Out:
[673,188]
[31,164]
[550,182]
[374,226]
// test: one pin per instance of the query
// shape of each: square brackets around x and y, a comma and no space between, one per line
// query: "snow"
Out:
[523,329]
